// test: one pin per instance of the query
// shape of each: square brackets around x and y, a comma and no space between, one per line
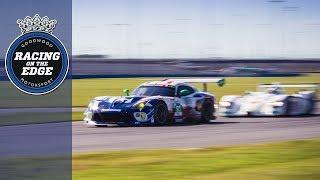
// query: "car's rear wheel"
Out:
[288,107]
[207,111]
[291,106]
[161,114]
[312,105]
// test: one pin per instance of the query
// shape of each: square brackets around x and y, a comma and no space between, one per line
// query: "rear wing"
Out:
[220,81]
[314,87]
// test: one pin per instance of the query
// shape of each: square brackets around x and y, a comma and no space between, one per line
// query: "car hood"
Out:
[117,102]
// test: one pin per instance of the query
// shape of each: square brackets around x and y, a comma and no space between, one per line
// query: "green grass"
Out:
[32,118]
[286,160]
[85,89]
[36,167]
[11,97]
[77,116]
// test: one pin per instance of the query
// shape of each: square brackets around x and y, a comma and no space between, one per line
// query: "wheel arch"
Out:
[156,101]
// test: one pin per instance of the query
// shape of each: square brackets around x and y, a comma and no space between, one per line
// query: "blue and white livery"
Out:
[158,102]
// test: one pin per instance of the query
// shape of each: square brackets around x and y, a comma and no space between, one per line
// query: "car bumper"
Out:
[98,118]
[229,113]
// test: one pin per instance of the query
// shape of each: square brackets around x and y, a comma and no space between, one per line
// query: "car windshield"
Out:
[274,90]
[154,91]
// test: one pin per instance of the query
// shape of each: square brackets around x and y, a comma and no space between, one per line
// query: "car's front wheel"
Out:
[161,114]
[207,111]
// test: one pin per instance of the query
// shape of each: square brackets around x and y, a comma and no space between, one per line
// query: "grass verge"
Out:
[36,167]
[33,118]
[83,90]
[284,160]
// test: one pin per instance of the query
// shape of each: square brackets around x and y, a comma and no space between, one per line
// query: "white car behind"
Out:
[270,100]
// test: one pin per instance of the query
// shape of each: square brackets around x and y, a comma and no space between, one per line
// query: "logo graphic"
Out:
[36,61]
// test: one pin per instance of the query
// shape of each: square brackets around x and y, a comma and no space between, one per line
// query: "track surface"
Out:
[224,131]
[55,138]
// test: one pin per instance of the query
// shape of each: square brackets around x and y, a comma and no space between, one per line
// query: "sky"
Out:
[197,28]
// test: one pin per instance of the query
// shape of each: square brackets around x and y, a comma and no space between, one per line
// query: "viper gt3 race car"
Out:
[158,102]
[271,100]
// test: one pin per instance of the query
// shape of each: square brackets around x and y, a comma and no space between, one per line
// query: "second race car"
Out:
[270,100]
[158,102]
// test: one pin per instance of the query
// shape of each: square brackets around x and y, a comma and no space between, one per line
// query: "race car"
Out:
[158,102]
[271,100]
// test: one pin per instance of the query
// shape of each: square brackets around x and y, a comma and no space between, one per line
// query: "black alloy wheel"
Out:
[207,111]
[161,114]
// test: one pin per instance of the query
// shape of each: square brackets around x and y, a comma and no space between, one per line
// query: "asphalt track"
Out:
[55,138]
[223,131]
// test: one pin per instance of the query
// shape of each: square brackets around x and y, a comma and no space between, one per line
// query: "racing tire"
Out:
[207,111]
[161,114]
[288,106]
[312,106]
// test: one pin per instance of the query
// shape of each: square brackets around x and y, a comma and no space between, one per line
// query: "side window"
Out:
[189,90]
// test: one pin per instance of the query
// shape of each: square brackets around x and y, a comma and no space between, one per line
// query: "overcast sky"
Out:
[197,28]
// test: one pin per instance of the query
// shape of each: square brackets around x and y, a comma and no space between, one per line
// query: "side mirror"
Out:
[126,92]
[184,92]
[221,82]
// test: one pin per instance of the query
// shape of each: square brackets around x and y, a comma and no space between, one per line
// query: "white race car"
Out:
[270,100]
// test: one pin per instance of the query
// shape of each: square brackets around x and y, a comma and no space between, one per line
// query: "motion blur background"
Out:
[119,44]
[187,36]
[197,29]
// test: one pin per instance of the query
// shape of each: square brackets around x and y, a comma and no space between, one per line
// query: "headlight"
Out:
[277,104]
[225,104]
[142,104]
[139,105]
